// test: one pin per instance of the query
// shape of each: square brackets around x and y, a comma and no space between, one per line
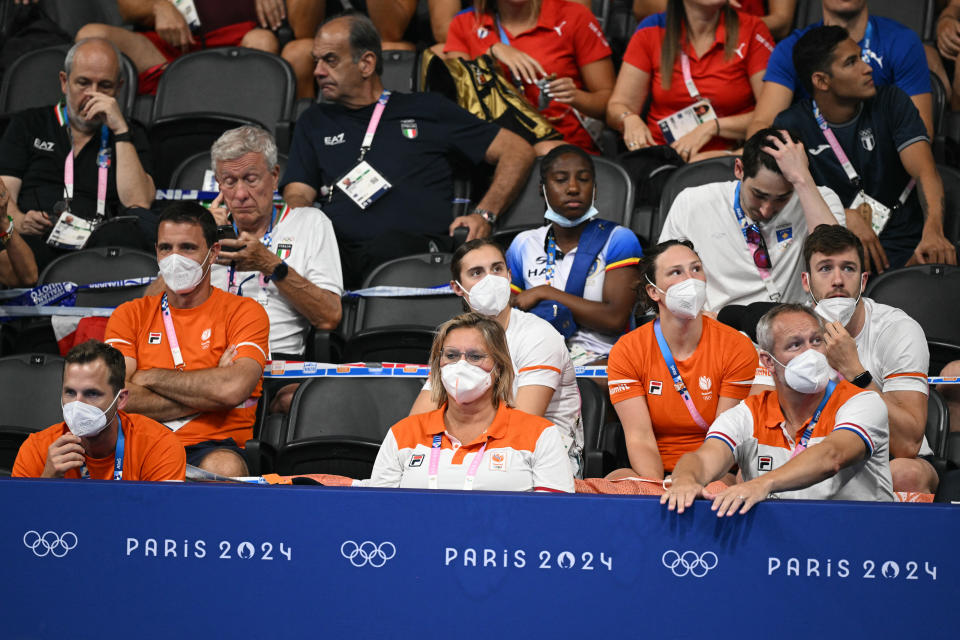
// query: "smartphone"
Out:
[226,232]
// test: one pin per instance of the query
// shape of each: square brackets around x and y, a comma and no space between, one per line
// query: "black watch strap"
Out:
[126,136]
[863,380]
[279,272]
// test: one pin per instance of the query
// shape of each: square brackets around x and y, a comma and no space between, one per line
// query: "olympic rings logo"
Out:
[50,543]
[376,555]
[689,562]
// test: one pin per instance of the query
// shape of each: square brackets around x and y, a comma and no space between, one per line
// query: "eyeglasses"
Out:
[761,257]
[454,355]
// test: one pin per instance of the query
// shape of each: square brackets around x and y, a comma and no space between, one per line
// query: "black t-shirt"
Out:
[885,125]
[34,149]
[417,134]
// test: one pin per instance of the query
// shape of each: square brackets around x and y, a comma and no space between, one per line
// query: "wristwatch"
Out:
[126,136]
[487,215]
[280,272]
[863,380]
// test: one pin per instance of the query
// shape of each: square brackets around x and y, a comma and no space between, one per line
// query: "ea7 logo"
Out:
[43,145]
[332,140]
[764,463]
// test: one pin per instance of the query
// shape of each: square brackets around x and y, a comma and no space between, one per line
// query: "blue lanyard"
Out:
[808,432]
[675,374]
[118,456]
[503,33]
[738,210]
[867,36]
[551,256]
[267,241]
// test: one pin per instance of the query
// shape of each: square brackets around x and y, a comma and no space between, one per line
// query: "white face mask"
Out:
[181,274]
[685,299]
[836,309]
[85,420]
[489,296]
[465,382]
[807,373]
[551,215]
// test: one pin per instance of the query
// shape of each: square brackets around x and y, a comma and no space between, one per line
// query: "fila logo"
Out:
[416,460]
[764,463]
[154,338]
[42,145]
[332,140]
[705,383]
[655,388]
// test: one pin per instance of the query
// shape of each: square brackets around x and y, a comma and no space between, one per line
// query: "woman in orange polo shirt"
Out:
[665,409]
[701,107]
[554,48]
[475,439]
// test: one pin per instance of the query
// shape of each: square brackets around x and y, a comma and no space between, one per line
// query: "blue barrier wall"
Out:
[130,560]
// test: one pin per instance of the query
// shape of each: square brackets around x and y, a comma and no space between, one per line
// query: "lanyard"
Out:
[842,156]
[171,333]
[267,240]
[503,32]
[751,248]
[675,374]
[373,124]
[433,481]
[103,163]
[117,460]
[551,256]
[808,432]
[867,35]
[688,77]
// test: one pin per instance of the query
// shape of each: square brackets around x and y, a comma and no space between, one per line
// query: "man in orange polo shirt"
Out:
[811,438]
[97,438]
[194,353]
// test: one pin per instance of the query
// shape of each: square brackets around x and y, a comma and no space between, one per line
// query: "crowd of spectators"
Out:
[834,178]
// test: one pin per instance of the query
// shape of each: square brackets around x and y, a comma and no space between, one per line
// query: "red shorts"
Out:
[228,36]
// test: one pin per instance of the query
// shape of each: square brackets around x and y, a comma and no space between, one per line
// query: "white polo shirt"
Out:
[540,357]
[756,434]
[304,239]
[522,453]
[704,215]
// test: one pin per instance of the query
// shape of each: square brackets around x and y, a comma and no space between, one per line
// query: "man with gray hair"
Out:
[810,438]
[78,161]
[284,258]
[381,162]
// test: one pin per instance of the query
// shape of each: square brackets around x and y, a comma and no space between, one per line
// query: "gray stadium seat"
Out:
[98,265]
[930,294]
[30,387]
[691,175]
[189,174]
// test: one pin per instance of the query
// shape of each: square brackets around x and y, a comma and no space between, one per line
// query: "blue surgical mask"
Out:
[555,217]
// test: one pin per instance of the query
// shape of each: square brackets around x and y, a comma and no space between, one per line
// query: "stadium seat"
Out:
[950,177]
[190,173]
[401,329]
[33,81]
[98,265]
[70,15]
[207,92]
[593,412]
[399,70]
[336,425]
[691,175]
[30,386]
[941,353]
[940,102]
[938,423]
[614,198]
[918,15]
[930,294]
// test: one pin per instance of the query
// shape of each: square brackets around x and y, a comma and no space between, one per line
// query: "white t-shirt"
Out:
[754,431]
[527,259]
[540,357]
[704,215]
[304,239]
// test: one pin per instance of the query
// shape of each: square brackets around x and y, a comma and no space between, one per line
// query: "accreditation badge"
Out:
[364,184]
[679,124]
[70,232]
[879,212]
